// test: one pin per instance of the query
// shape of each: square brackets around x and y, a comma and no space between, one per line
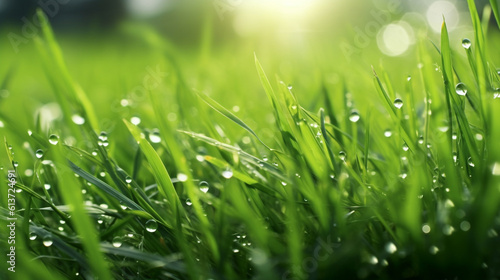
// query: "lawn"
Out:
[132,156]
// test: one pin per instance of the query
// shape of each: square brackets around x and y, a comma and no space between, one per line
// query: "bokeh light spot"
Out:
[435,14]
[394,39]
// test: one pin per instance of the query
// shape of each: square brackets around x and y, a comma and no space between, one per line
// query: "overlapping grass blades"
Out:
[71,194]
[417,200]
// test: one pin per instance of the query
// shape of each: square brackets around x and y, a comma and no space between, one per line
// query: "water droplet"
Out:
[204,186]
[103,136]
[408,78]
[387,133]
[151,225]
[342,155]
[398,103]
[405,147]
[39,153]
[228,173]
[283,183]
[117,241]
[443,128]
[103,139]
[128,180]
[33,236]
[15,163]
[495,170]
[470,162]
[426,228]
[461,89]
[354,116]
[421,140]
[135,120]
[188,202]
[390,248]
[53,139]
[454,136]
[466,43]
[182,177]
[236,251]
[46,186]
[77,119]
[47,240]
[154,136]
[200,158]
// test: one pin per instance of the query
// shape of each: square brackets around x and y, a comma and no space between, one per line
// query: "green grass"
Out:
[331,177]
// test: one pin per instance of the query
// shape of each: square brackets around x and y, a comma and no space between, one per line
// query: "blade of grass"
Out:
[226,113]
[72,194]
[454,103]
[57,57]
[160,173]
[496,10]
[105,187]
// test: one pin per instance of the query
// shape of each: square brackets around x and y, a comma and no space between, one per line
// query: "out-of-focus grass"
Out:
[219,164]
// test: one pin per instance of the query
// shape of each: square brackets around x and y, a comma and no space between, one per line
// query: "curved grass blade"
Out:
[392,111]
[72,195]
[496,10]
[267,86]
[226,113]
[453,103]
[57,57]
[63,246]
[244,156]
[105,187]
[327,139]
[37,196]
[245,178]
[171,262]
[160,173]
